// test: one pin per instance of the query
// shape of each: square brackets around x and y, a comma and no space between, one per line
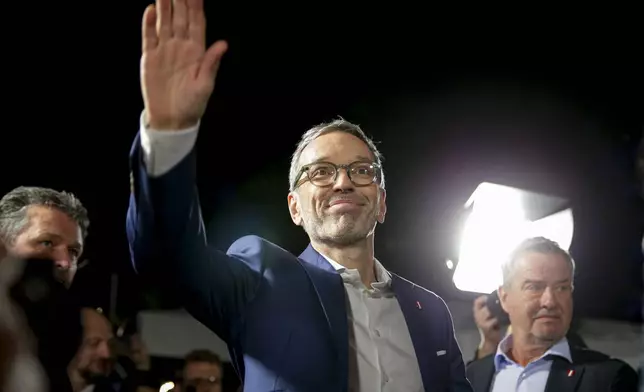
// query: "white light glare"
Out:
[168,386]
[495,226]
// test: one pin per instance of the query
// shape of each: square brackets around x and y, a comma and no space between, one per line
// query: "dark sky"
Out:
[453,104]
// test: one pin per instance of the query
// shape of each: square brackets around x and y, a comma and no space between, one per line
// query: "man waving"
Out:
[332,319]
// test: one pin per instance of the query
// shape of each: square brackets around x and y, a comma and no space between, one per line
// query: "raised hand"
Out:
[488,326]
[177,72]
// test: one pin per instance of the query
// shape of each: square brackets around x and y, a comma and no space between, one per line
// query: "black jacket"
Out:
[591,371]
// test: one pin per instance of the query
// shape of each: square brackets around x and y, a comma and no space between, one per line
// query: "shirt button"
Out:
[385,378]
[377,333]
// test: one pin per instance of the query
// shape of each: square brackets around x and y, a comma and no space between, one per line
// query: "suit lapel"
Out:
[330,290]
[482,379]
[421,338]
[564,376]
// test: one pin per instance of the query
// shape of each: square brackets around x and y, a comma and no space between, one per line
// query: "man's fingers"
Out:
[164,19]
[196,21]
[149,34]
[212,60]
[180,19]
[482,316]
[490,325]
[479,302]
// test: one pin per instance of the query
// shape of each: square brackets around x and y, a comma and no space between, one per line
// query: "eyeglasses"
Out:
[325,173]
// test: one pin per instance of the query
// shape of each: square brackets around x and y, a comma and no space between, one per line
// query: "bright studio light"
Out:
[500,218]
[168,386]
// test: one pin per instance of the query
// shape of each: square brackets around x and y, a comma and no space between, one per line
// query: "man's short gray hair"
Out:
[339,125]
[534,245]
[13,209]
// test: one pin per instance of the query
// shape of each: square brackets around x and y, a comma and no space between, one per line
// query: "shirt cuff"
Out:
[163,150]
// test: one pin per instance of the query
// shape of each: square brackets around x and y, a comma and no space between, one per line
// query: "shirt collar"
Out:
[383,277]
[560,349]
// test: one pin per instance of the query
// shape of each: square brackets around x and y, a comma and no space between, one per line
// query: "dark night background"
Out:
[453,104]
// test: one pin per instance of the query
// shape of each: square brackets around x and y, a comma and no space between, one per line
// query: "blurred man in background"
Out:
[104,363]
[202,372]
[94,360]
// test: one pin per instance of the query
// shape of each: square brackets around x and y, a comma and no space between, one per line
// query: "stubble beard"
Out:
[341,230]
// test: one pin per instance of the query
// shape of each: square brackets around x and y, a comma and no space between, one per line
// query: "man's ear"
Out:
[294,208]
[382,207]
[503,298]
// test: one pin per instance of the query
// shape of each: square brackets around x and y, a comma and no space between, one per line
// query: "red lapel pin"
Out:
[570,372]
[418,305]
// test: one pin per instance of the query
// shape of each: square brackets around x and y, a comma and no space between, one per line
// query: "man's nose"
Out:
[104,350]
[63,259]
[548,299]
[64,266]
[342,181]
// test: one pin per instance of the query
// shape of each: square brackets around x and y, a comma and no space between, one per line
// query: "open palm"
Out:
[177,72]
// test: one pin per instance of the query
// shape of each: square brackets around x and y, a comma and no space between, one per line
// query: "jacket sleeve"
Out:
[458,378]
[168,246]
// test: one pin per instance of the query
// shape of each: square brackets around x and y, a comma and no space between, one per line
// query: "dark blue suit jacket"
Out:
[284,318]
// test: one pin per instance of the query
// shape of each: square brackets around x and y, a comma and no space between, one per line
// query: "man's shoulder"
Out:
[605,369]
[411,285]
[425,296]
[584,355]
[480,364]
[252,243]
[598,360]
[480,371]
[580,356]
[260,252]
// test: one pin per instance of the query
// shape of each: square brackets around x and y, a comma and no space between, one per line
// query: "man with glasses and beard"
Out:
[332,319]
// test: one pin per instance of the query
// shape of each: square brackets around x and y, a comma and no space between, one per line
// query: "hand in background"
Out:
[488,326]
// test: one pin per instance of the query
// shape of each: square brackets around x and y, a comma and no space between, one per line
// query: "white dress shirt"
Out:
[382,356]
